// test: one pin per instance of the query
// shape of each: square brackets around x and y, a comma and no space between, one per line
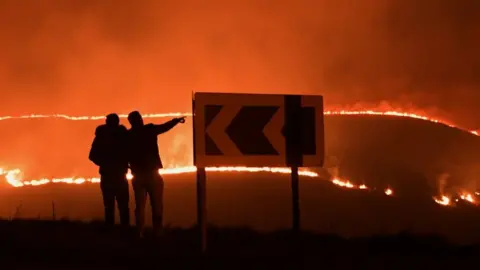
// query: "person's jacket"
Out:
[143,154]
[109,149]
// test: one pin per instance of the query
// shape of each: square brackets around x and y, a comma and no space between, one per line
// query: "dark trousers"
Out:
[148,183]
[115,188]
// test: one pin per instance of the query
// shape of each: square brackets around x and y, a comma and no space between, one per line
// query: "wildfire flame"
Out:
[468,197]
[95,117]
[179,114]
[443,200]
[347,184]
[13,176]
[14,179]
[465,196]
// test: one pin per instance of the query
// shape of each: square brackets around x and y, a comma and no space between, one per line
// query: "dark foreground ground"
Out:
[75,245]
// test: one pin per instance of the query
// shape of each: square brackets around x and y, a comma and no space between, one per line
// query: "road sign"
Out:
[255,130]
[258,130]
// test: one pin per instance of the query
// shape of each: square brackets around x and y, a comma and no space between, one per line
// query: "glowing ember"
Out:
[389,192]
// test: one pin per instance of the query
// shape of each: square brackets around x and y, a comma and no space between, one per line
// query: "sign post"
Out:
[295,201]
[201,194]
[294,155]
[256,130]
[202,207]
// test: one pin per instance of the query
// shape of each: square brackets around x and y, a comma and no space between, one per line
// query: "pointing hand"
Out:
[181,119]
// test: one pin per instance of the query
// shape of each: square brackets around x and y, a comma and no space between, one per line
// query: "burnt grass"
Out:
[71,244]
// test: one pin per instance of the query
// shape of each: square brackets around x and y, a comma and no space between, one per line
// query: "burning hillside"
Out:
[371,147]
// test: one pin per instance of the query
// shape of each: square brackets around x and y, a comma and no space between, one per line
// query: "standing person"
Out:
[145,162]
[109,152]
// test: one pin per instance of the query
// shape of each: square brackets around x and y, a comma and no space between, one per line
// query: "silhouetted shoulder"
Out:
[122,128]
[149,128]
[100,130]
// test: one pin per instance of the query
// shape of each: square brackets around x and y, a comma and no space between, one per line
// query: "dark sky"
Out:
[91,57]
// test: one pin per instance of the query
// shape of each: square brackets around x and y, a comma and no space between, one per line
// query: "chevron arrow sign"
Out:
[258,130]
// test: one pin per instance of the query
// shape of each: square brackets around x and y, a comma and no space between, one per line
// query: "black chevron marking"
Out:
[246,130]
[308,131]
[211,111]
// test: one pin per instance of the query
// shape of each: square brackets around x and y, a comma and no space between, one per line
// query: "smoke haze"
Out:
[90,57]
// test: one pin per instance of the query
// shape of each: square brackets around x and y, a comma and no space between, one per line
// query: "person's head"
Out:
[112,120]
[135,119]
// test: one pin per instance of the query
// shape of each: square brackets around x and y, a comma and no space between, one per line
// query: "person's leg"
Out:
[123,198]
[108,194]
[155,191]
[140,193]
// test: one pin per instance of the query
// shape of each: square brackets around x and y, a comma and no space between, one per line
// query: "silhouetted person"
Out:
[145,162]
[109,152]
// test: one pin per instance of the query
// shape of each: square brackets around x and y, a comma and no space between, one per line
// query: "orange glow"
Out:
[389,192]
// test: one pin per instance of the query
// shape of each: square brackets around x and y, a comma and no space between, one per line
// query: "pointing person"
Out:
[145,162]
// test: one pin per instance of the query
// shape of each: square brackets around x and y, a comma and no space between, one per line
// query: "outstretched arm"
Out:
[162,128]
